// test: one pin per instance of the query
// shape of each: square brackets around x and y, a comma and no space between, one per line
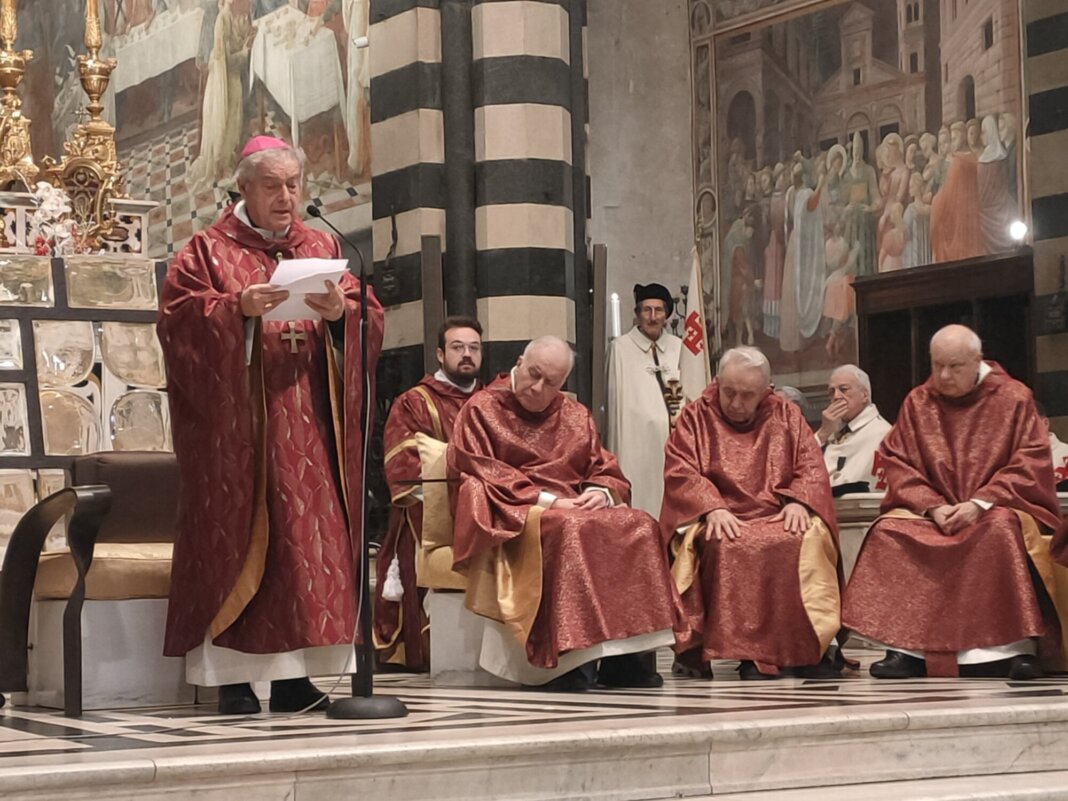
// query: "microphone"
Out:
[317,213]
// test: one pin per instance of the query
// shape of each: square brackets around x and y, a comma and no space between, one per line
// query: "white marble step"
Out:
[1051,786]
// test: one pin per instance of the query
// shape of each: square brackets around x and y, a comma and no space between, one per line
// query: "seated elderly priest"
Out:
[747,505]
[946,576]
[850,432]
[565,572]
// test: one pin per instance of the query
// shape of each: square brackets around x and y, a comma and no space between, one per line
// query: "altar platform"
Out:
[789,739]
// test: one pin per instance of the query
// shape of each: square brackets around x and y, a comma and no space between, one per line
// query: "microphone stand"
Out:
[363,704]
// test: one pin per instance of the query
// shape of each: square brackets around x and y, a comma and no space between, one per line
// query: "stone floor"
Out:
[789,738]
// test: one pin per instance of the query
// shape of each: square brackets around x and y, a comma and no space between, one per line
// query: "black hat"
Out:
[654,292]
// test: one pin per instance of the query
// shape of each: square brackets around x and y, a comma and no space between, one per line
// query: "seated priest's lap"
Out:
[401,628]
[565,572]
[750,519]
[957,576]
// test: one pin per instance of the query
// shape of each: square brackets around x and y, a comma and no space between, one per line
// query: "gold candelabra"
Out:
[90,171]
[16,156]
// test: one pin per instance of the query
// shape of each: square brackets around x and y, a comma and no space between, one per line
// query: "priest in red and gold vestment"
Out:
[945,576]
[750,520]
[269,451]
[430,408]
[565,572]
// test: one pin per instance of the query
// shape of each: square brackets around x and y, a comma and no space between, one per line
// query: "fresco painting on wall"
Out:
[861,138]
[195,79]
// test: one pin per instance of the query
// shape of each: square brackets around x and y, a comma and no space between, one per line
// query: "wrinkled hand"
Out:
[258,299]
[330,304]
[953,518]
[833,418]
[721,523]
[795,518]
[591,499]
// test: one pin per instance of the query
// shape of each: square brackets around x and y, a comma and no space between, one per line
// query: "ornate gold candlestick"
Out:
[16,157]
[90,171]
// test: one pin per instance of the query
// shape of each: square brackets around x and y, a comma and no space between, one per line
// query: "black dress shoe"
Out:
[238,699]
[690,664]
[577,680]
[748,671]
[824,669]
[1025,667]
[897,665]
[297,695]
[631,671]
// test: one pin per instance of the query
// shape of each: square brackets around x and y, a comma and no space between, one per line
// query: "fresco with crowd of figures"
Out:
[195,79]
[859,138]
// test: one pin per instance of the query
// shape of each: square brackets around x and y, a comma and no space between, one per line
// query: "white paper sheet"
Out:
[303,277]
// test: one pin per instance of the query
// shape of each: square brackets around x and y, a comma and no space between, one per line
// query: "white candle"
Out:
[616,326]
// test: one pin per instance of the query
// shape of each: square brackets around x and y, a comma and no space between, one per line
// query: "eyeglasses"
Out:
[460,348]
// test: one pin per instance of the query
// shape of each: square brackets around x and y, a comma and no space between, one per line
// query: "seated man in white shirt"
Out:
[851,431]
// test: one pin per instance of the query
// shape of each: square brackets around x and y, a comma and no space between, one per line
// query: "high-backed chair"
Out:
[112,581]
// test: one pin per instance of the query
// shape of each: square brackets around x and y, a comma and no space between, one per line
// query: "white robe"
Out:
[636,422]
[354,15]
[1059,451]
[850,454]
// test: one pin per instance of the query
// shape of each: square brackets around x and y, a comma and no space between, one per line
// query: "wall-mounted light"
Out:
[1018,230]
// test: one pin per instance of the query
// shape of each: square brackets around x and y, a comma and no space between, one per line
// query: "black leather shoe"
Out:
[297,695]
[1025,667]
[238,699]
[632,671]
[824,669]
[897,665]
[748,671]
[578,680]
[690,665]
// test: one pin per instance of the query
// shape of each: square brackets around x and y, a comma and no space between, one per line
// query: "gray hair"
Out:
[248,166]
[745,356]
[858,374]
[550,342]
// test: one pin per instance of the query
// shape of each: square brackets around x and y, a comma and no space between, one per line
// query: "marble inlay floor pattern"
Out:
[34,737]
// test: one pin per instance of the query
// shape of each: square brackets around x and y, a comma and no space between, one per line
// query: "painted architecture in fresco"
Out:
[861,138]
[195,79]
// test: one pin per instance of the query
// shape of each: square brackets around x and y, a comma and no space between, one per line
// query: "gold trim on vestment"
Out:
[435,417]
[335,379]
[504,582]
[684,556]
[817,568]
[433,556]
[248,580]
[1054,578]
[400,446]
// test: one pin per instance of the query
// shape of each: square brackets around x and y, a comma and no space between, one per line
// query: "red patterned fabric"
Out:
[914,587]
[404,621]
[745,602]
[306,596]
[604,572]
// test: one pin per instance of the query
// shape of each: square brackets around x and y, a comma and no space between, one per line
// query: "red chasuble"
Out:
[769,596]
[917,589]
[560,579]
[268,452]
[429,408]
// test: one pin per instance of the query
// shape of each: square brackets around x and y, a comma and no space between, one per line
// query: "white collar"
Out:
[444,379]
[864,416]
[242,214]
[644,343]
[984,370]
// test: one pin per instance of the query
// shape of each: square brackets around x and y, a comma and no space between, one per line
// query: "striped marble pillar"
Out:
[407,167]
[1046,71]
[524,92]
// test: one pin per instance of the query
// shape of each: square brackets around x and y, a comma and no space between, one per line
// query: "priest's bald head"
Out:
[541,372]
[956,353]
[744,379]
[270,178]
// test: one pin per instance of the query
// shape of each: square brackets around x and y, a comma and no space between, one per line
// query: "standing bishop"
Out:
[563,569]
[269,451]
[641,365]
[428,408]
